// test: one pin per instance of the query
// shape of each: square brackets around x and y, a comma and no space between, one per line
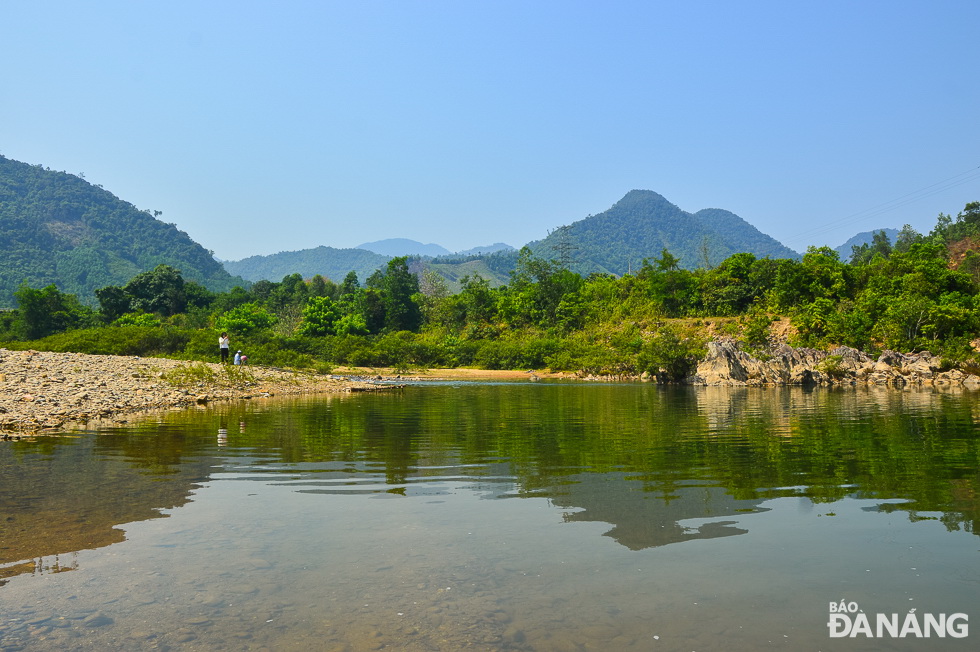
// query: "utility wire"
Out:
[914,196]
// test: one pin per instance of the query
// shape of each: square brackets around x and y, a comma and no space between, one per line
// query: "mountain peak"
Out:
[644,223]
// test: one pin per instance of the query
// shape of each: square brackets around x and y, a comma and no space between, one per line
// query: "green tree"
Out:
[478,299]
[245,319]
[321,287]
[670,357]
[160,290]
[292,291]
[114,302]
[906,238]
[47,311]
[434,298]
[667,262]
[399,287]
[536,290]
[350,285]
[319,317]
[880,245]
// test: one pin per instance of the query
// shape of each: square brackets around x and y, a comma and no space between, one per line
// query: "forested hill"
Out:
[328,262]
[642,224]
[56,228]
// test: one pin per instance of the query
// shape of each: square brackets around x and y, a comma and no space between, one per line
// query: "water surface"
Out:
[538,516]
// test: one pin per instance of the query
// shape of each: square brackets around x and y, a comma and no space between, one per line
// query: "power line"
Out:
[909,198]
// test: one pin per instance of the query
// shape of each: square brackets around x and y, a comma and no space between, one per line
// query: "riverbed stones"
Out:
[41,390]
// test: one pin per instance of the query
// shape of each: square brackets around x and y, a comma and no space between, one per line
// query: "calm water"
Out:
[499,517]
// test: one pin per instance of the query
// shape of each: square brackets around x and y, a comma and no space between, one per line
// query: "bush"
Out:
[137,319]
[756,332]
[832,366]
[670,357]
[123,340]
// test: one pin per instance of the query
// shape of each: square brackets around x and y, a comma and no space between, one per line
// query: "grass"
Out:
[199,373]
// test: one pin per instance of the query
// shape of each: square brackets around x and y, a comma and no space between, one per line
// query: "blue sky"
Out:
[260,127]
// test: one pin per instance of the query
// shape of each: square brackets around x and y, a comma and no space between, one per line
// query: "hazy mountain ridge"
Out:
[331,263]
[334,264]
[865,237]
[393,247]
[56,228]
[405,247]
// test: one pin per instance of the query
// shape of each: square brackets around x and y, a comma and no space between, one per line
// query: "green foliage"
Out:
[519,351]
[123,340]
[198,374]
[246,318]
[400,288]
[756,332]
[966,224]
[190,375]
[43,312]
[58,229]
[879,246]
[160,290]
[319,317]
[351,324]
[670,357]
[137,319]
[833,366]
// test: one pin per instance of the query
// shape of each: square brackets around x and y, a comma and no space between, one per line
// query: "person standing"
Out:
[223,343]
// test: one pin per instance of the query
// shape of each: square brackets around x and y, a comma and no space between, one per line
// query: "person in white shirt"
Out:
[223,342]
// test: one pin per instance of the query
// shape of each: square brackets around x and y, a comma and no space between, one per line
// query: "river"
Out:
[523,516]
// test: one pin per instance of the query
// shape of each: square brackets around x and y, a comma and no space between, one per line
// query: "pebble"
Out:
[43,390]
[97,619]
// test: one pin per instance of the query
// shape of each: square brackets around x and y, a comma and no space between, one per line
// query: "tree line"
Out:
[919,293]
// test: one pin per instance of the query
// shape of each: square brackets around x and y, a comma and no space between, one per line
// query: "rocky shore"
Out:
[44,390]
[730,364]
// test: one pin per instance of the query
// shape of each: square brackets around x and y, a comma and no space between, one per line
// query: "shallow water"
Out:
[538,516]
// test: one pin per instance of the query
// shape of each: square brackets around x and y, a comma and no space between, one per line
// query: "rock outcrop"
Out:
[730,364]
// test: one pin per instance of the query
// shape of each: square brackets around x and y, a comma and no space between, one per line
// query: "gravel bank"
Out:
[43,390]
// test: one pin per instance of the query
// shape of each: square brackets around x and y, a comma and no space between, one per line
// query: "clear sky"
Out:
[260,127]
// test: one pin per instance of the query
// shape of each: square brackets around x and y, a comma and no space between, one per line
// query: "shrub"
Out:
[137,319]
[832,366]
[670,357]
[124,340]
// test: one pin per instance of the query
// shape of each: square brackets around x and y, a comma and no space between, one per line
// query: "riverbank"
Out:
[46,391]
[461,374]
[42,390]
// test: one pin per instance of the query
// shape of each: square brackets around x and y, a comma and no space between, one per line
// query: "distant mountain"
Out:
[330,263]
[642,224]
[494,267]
[489,249]
[393,247]
[56,228]
[865,237]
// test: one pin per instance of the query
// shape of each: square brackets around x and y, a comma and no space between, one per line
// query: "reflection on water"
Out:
[524,517]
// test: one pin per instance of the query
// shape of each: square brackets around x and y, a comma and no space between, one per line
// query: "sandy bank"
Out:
[492,375]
